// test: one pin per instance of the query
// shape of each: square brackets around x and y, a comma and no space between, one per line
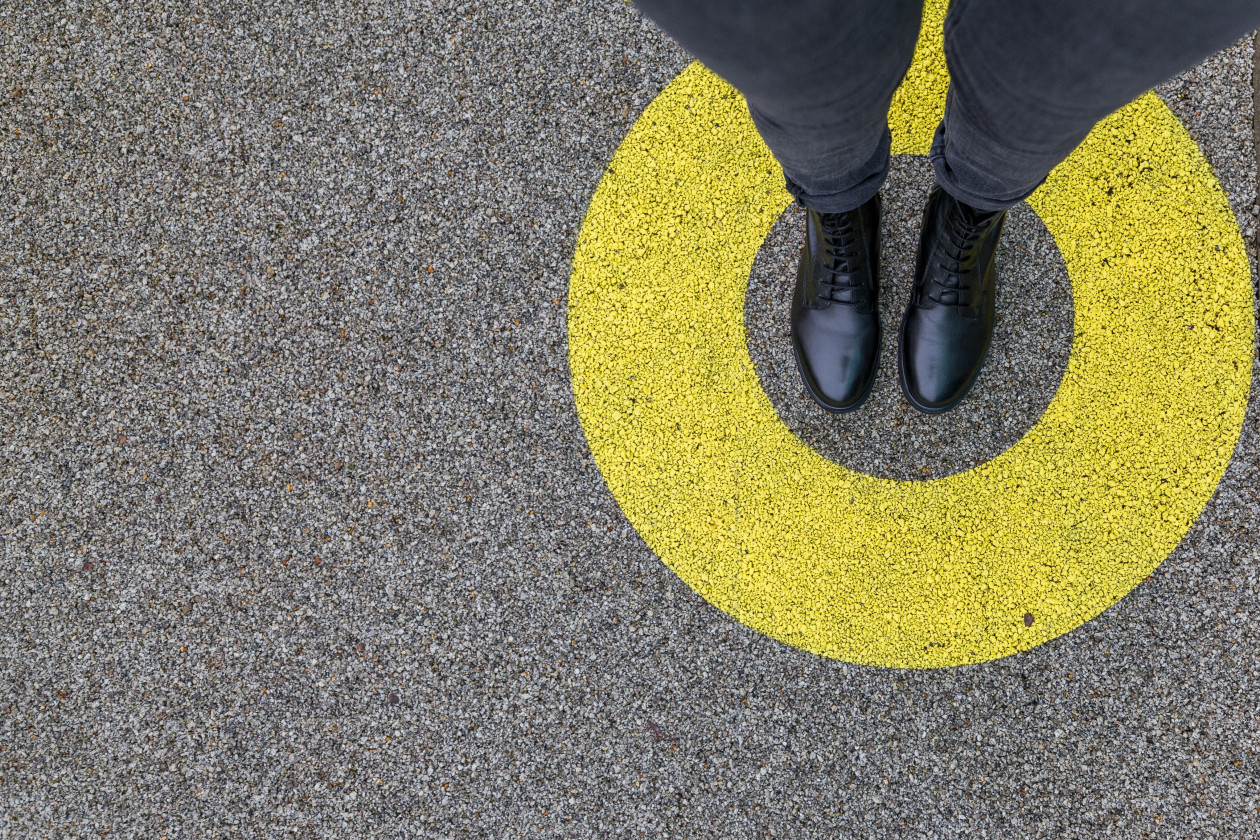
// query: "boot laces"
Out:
[963,233]
[843,263]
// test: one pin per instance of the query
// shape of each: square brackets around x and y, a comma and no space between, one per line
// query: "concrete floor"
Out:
[301,534]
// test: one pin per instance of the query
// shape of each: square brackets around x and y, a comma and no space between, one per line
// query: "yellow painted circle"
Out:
[908,573]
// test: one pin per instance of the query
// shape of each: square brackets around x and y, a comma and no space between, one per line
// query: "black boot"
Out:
[835,308]
[946,329]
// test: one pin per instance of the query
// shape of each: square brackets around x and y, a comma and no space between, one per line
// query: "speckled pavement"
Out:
[302,536]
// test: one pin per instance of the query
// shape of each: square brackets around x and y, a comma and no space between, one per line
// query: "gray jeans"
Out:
[1028,80]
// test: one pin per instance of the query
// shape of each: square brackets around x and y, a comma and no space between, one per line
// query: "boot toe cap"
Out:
[939,366]
[838,371]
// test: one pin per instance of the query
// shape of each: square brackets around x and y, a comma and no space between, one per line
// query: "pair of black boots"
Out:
[946,328]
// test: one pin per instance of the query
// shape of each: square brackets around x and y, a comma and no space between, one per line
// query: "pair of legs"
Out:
[1028,80]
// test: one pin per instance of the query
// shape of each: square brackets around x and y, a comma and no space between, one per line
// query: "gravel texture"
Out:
[301,536]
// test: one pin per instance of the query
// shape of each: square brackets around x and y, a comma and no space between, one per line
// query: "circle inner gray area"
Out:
[886,437]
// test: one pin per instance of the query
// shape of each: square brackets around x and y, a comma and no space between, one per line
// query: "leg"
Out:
[1029,80]
[818,76]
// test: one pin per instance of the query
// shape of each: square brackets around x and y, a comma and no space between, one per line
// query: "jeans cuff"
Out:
[847,192]
[953,183]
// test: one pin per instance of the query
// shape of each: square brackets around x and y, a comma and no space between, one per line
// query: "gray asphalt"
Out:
[301,536]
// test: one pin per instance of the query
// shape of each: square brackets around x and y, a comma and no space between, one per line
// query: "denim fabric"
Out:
[1029,79]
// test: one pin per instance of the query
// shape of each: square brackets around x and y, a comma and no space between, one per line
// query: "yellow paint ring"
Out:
[908,573]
